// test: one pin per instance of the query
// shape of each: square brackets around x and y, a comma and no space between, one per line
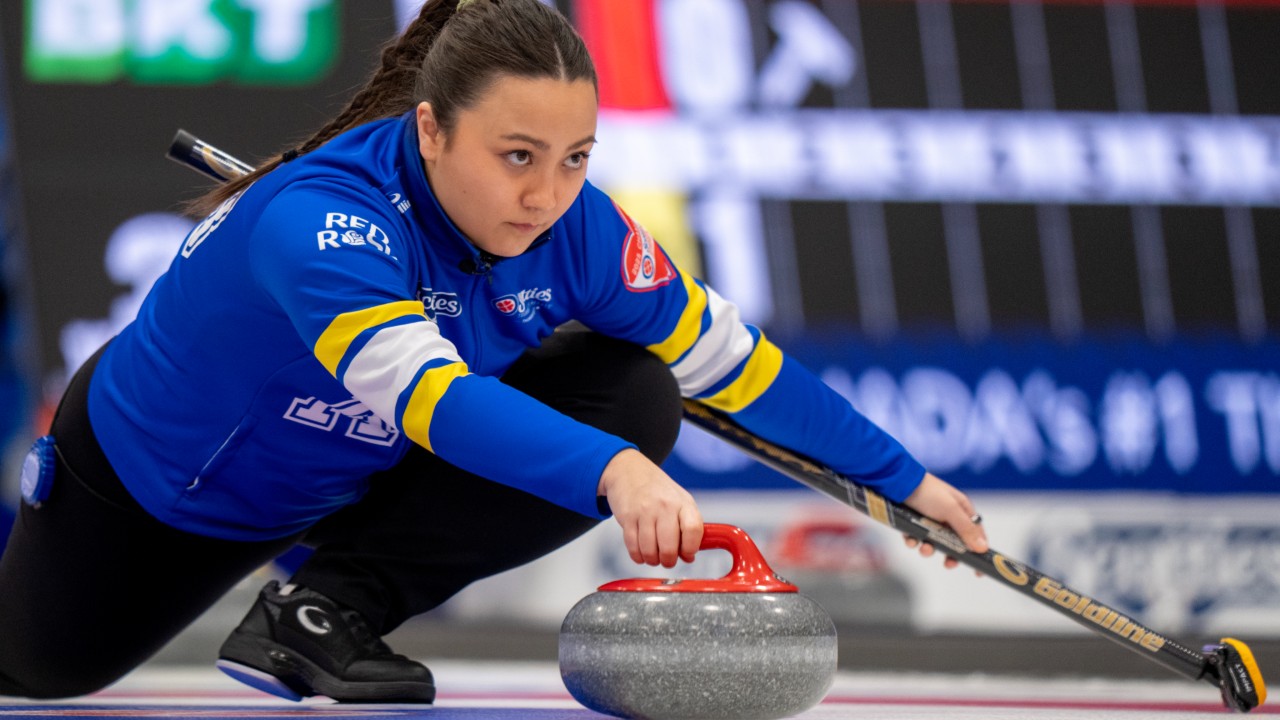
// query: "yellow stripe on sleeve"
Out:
[688,327]
[422,403]
[336,338]
[762,368]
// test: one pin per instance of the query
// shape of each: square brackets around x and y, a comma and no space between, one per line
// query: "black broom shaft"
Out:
[186,149]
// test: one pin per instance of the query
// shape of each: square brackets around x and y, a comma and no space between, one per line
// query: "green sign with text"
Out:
[255,42]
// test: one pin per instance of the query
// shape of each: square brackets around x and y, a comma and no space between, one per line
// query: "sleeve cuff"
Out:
[590,503]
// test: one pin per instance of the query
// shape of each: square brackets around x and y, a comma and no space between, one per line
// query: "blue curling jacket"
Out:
[331,314]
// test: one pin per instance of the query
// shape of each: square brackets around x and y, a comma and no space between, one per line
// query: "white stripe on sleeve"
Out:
[386,365]
[717,352]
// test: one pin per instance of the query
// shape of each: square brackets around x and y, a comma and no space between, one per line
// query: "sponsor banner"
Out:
[1030,414]
[181,42]
[1182,567]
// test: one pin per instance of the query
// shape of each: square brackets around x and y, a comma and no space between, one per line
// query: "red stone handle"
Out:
[750,572]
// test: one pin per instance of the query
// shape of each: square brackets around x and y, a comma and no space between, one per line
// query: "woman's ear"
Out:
[430,136]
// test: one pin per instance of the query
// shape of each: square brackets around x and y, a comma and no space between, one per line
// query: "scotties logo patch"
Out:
[524,304]
[644,265]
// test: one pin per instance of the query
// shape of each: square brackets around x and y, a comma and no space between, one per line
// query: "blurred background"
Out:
[1037,241]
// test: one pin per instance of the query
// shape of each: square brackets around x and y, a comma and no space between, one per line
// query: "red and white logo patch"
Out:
[644,265]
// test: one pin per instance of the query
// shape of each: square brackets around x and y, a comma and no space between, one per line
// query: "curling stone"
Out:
[747,646]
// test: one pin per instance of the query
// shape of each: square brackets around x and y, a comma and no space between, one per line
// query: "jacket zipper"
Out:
[483,268]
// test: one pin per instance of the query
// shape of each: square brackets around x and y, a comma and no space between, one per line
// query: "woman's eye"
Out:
[519,157]
[577,160]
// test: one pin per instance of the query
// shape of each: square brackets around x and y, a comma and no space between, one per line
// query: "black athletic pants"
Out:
[91,585]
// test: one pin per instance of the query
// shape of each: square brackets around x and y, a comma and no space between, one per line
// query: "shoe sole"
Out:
[257,679]
[293,677]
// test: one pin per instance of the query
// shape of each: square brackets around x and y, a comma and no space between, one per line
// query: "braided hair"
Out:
[448,56]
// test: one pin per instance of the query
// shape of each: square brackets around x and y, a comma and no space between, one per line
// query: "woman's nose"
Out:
[540,194]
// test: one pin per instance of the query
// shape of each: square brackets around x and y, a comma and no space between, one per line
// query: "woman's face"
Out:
[513,162]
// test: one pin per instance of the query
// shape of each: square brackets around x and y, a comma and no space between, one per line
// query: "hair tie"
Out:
[289,155]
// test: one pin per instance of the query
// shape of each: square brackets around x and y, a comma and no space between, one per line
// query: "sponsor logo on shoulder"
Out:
[343,229]
[524,304]
[644,265]
[439,303]
[1141,554]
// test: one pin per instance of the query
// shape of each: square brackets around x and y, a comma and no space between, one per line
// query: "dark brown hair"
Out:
[448,56]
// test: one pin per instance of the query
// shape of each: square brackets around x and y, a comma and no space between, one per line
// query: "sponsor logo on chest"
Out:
[436,303]
[524,304]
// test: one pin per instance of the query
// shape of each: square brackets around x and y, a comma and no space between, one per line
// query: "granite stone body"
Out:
[698,655]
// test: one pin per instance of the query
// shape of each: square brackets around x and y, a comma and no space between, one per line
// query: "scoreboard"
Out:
[977,165]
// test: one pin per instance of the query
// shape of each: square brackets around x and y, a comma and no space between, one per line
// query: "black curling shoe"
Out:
[299,643]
